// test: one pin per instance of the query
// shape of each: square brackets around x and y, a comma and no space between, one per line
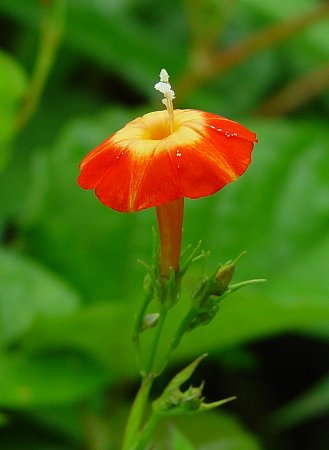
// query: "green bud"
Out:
[149,321]
[206,314]
[223,277]
[210,292]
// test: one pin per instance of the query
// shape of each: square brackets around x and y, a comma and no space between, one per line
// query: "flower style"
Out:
[158,159]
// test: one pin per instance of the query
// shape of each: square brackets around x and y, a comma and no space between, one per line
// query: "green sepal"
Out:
[166,291]
[174,401]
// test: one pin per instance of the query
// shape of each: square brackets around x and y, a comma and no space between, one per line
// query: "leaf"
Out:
[241,320]
[28,291]
[27,382]
[309,43]
[309,405]
[209,431]
[12,85]
[179,441]
[109,328]
[114,38]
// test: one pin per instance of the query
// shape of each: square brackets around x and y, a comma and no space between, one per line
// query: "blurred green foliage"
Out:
[69,279]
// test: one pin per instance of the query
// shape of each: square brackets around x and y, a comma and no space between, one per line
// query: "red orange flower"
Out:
[144,164]
[158,159]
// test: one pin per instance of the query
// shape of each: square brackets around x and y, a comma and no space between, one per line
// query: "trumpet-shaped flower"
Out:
[157,160]
[144,164]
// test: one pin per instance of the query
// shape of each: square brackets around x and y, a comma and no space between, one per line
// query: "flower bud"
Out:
[149,321]
[224,276]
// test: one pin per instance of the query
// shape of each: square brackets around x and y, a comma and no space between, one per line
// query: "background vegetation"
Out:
[70,283]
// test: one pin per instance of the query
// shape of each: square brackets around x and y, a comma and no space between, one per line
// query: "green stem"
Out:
[137,330]
[153,351]
[181,330]
[137,410]
[145,435]
[52,25]
[136,414]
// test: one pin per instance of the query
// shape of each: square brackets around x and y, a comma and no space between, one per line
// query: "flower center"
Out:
[159,131]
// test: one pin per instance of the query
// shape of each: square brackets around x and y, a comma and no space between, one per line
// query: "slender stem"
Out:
[174,342]
[52,25]
[136,414]
[137,330]
[147,431]
[137,410]
[153,350]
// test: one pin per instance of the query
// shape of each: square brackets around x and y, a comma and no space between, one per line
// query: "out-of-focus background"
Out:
[70,75]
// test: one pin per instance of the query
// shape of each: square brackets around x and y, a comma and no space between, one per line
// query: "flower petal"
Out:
[145,165]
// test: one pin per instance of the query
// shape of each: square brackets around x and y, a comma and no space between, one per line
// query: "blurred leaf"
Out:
[28,291]
[241,319]
[12,85]
[48,380]
[309,405]
[210,431]
[229,96]
[311,40]
[113,38]
[179,441]
[3,419]
[109,328]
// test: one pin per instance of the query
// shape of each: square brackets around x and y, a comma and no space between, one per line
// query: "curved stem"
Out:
[137,410]
[174,342]
[146,432]
[51,30]
[136,414]
[137,330]
[153,351]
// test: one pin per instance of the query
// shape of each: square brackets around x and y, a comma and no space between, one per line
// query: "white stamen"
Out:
[164,76]
[165,88]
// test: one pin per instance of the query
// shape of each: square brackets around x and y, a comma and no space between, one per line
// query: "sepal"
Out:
[174,401]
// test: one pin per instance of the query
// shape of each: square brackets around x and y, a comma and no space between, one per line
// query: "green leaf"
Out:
[109,328]
[12,85]
[115,38]
[179,441]
[309,405]
[28,291]
[27,382]
[209,431]
[242,319]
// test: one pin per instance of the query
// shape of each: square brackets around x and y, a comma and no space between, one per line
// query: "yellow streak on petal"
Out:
[151,132]
[150,135]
